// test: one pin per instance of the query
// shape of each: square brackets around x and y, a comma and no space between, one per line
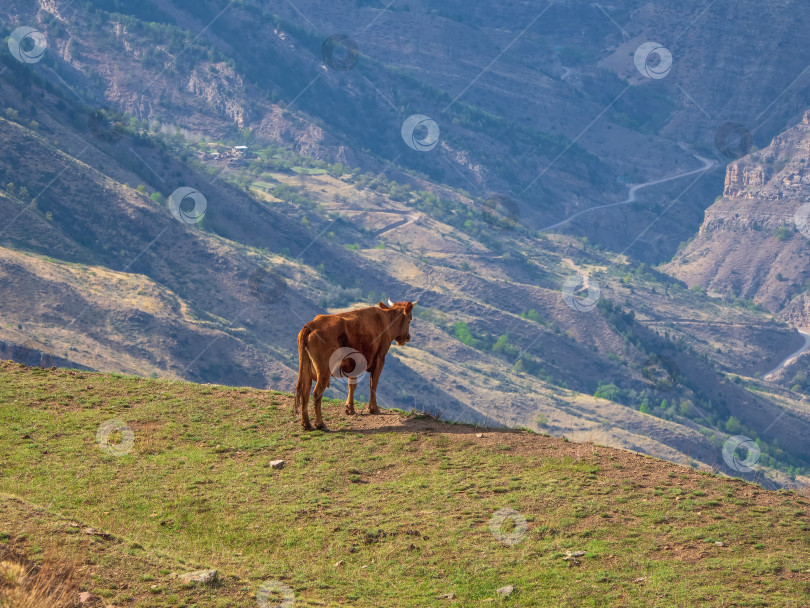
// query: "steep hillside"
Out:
[130,483]
[753,243]
[98,269]
[543,103]
[311,201]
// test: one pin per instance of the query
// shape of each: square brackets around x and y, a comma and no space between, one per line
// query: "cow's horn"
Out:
[416,301]
[390,303]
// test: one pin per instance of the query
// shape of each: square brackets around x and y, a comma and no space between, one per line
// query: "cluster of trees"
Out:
[674,407]
[20,193]
[647,401]
[533,315]
[292,195]
[685,400]
[800,383]
[522,362]
[485,342]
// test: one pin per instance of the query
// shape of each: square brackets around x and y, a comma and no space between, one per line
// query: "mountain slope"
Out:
[751,243]
[555,114]
[387,510]
[101,270]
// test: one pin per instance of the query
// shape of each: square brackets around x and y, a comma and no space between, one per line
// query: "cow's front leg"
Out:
[350,400]
[375,376]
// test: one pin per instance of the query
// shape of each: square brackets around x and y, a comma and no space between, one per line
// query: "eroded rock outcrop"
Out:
[749,244]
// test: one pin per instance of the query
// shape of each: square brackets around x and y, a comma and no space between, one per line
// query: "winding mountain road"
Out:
[708,163]
[413,217]
[793,356]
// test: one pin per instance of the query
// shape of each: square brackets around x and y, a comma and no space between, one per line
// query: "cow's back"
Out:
[362,330]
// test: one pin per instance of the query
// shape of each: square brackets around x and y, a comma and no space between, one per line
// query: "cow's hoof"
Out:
[321,427]
[374,411]
[306,427]
[350,412]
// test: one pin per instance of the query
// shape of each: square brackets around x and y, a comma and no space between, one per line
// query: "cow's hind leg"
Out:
[304,403]
[350,400]
[302,388]
[320,387]
[304,384]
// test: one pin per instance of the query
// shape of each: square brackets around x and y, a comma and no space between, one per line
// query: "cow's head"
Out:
[401,327]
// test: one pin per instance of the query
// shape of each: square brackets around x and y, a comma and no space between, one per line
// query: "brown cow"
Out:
[327,343]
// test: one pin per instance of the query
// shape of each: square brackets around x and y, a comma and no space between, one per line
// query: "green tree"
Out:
[502,346]
[733,426]
[463,334]
[608,391]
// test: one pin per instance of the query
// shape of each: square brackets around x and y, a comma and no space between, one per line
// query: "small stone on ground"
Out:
[506,591]
[200,577]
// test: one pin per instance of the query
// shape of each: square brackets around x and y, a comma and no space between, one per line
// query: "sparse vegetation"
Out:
[783,233]
[197,491]
[494,254]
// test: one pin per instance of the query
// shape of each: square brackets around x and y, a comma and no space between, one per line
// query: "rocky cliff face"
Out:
[751,244]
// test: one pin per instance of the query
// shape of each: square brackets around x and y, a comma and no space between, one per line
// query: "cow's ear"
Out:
[383,306]
[409,307]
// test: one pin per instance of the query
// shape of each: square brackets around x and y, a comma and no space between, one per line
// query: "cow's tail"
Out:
[304,370]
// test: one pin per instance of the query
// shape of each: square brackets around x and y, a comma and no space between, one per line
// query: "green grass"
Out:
[264,185]
[309,170]
[406,511]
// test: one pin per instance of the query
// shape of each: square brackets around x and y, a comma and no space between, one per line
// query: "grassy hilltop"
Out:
[392,510]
